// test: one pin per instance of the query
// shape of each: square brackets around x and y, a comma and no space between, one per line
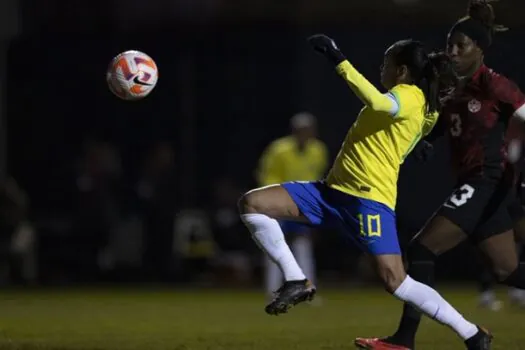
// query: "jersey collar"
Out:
[482,69]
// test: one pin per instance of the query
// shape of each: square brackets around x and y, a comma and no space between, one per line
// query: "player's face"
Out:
[464,53]
[388,71]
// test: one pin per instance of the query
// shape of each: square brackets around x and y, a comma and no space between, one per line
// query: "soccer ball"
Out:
[132,75]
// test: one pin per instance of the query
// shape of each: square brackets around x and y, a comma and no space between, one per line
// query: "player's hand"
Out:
[327,47]
[322,43]
[423,151]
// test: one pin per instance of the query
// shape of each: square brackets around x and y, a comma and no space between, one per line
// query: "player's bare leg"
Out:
[487,296]
[437,237]
[502,252]
[260,210]
[517,295]
[392,272]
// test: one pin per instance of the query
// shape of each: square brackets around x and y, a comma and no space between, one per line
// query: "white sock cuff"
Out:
[254,217]
[403,288]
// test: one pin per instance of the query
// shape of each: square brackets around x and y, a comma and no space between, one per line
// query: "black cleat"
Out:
[290,294]
[480,341]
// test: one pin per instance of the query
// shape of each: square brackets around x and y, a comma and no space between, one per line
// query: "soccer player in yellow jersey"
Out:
[359,194]
[299,156]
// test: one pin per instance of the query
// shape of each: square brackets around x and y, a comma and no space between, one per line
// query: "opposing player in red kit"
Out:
[476,118]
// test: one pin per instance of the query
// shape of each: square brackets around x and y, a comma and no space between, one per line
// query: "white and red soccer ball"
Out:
[132,75]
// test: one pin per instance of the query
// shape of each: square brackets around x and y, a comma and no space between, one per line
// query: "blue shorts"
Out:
[370,224]
[293,227]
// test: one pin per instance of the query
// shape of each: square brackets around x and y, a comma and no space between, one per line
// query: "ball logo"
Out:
[474,106]
[137,80]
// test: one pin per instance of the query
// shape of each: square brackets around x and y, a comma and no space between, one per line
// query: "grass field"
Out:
[192,320]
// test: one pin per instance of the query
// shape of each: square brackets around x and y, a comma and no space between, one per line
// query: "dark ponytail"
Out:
[479,24]
[447,76]
[430,86]
[422,69]
[482,11]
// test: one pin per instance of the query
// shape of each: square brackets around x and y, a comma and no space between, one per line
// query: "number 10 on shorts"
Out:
[369,225]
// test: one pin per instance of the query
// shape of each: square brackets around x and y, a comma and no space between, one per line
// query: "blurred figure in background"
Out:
[487,298]
[233,255]
[157,190]
[297,157]
[18,238]
[97,205]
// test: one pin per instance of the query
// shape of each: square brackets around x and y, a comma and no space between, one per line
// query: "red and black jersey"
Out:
[477,118]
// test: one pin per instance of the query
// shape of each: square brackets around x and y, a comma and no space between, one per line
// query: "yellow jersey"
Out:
[376,145]
[283,161]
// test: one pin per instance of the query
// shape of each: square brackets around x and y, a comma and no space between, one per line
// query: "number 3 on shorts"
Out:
[462,195]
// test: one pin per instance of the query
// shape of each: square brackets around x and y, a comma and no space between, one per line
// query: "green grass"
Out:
[194,320]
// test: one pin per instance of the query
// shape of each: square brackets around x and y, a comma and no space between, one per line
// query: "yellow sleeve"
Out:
[409,99]
[367,92]
[270,168]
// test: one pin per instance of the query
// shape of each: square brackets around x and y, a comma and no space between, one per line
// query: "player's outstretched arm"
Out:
[367,92]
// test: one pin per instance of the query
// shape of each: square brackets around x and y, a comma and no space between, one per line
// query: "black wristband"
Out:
[335,56]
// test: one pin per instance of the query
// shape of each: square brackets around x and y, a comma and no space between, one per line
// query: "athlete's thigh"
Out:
[501,251]
[495,235]
[273,201]
[456,218]
[497,216]
[371,225]
[459,216]
[440,234]
[314,200]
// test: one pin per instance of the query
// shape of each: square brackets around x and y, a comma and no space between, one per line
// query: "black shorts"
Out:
[520,187]
[480,207]
[516,210]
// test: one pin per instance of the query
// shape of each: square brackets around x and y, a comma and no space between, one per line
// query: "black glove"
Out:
[423,151]
[326,46]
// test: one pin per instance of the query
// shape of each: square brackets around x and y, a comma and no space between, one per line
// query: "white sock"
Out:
[268,235]
[273,277]
[428,301]
[304,251]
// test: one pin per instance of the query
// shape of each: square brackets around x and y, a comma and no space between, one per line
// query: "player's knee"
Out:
[243,204]
[250,203]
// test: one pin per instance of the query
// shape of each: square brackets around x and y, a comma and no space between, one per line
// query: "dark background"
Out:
[139,191]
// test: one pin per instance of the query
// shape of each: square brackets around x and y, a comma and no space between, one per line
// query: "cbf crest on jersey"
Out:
[474,106]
